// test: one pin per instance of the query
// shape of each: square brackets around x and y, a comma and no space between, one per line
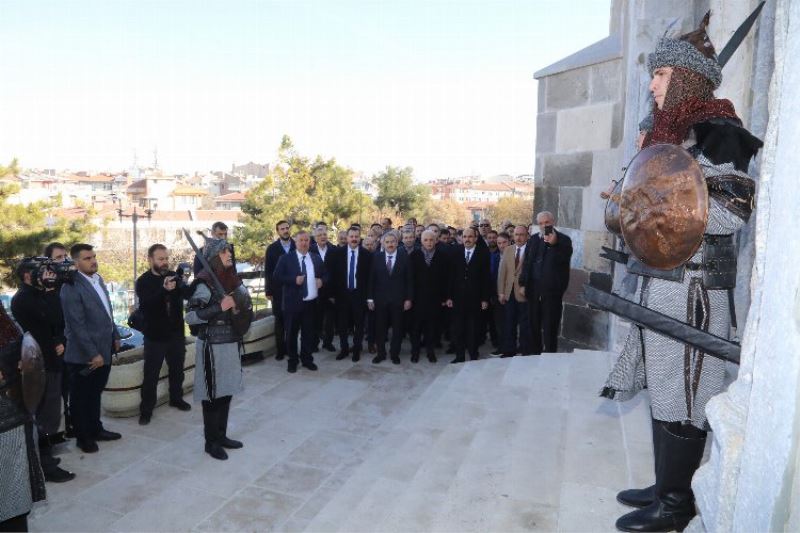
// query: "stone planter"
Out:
[123,391]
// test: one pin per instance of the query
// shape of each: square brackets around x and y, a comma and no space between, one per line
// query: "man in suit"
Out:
[274,291]
[512,296]
[91,337]
[545,276]
[326,311]
[349,272]
[430,268]
[471,293]
[390,293]
[302,274]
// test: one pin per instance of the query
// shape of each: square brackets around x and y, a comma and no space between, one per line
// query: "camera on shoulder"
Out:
[64,271]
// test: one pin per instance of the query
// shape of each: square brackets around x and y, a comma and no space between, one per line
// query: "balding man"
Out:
[512,296]
[545,276]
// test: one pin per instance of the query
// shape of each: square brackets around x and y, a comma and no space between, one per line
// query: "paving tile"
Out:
[252,509]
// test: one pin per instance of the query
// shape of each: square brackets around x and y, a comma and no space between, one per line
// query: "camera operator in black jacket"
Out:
[161,293]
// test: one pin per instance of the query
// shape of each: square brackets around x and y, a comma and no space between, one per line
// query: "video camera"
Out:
[64,271]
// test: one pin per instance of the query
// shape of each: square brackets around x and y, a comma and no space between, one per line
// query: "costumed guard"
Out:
[21,387]
[680,377]
[216,306]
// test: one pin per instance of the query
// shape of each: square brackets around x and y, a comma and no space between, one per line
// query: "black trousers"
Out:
[280,326]
[325,320]
[155,352]
[65,397]
[517,317]
[369,330]
[389,315]
[301,321]
[494,321]
[545,319]
[352,311]
[426,327]
[465,324]
[84,396]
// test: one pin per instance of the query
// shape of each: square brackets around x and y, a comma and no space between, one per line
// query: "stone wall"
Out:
[578,133]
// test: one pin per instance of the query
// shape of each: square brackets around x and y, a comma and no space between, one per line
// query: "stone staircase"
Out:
[522,444]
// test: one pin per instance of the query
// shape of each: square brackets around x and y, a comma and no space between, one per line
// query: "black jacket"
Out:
[162,309]
[432,284]
[390,289]
[39,312]
[274,253]
[554,268]
[339,267]
[325,292]
[472,283]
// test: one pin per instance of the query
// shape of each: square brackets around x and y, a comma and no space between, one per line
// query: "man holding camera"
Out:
[544,279]
[160,292]
[35,311]
[91,338]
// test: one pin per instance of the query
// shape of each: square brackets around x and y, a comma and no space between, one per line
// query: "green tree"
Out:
[301,191]
[449,212]
[398,193]
[26,229]
[517,210]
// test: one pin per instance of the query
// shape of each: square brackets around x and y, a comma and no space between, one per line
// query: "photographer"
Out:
[160,292]
[36,312]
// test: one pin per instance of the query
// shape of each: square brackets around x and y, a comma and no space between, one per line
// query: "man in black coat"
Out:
[471,278]
[430,267]
[326,310]
[544,277]
[349,272]
[390,293]
[274,291]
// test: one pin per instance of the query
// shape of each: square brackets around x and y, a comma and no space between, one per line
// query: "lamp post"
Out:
[135,216]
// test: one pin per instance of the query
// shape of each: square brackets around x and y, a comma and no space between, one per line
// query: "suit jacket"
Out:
[88,328]
[274,253]
[326,291]
[508,275]
[432,284]
[555,265]
[472,282]
[340,262]
[394,288]
[286,272]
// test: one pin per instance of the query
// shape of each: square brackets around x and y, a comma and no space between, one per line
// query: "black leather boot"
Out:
[211,430]
[52,472]
[644,497]
[224,441]
[680,452]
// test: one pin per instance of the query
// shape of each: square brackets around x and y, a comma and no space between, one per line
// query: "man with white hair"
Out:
[544,279]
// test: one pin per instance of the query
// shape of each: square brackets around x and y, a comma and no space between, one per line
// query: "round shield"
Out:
[611,215]
[33,376]
[244,310]
[663,206]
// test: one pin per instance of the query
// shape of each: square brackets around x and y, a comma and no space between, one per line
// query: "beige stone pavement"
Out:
[521,444]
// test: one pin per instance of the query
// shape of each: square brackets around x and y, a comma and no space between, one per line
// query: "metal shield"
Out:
[664,206]
[33,374]
[244,304]
[611,215]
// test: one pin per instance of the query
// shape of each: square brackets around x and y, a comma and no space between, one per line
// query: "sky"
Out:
[443,86]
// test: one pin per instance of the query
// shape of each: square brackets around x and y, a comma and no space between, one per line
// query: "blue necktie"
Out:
[351,278]
[303,273]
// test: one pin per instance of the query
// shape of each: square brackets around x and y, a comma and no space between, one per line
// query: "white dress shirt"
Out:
[311,278]
[469,253]
[323,251]
[94,279]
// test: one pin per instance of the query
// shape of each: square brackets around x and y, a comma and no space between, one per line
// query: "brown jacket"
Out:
[508,277]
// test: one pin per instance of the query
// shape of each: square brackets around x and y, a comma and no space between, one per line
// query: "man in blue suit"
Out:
[91,338]
[302,274]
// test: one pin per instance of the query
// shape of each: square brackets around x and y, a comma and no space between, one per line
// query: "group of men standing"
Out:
[416,283]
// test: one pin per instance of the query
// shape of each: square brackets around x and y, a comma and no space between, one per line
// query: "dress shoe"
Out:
[216,451]
[378,358]
[292,367]
[279,357]
[356,357]
[372,348]
[144,419]
[457,360]
[415,358]
[474,357]
[181,405]
[55,474]
[88,446]
[231,444]
[330,347]
[310,366]
[396,359]
[105,435]
[507,355]
[432,357]
[341,356]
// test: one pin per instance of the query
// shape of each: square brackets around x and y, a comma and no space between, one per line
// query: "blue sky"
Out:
[443,86]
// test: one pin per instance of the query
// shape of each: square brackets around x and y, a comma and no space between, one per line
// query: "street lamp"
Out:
[135,216]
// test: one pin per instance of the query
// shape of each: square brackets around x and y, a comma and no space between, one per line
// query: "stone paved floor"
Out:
[520,444]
